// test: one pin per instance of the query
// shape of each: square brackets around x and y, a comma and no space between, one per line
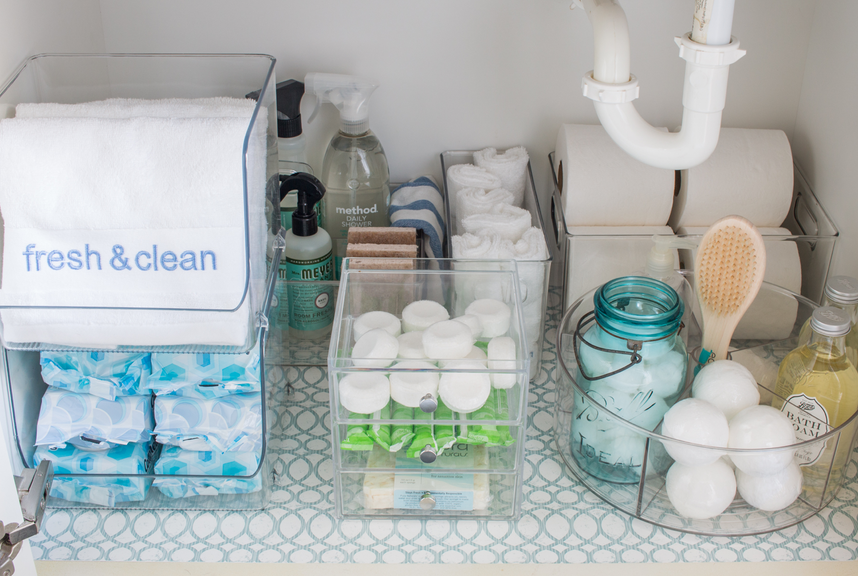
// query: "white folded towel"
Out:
[218,107]
[472,201]
[507,221]
[510,167]
[143,212]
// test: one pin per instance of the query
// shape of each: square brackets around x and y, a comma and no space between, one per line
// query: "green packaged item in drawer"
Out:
[476,434]
[380,432]
[401,434]
[423,435]
[356,436]
[445,435]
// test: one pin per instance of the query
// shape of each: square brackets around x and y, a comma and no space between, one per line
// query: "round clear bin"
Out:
[769,330]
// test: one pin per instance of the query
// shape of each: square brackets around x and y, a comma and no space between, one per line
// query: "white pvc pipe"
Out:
[713,22]
[612,60]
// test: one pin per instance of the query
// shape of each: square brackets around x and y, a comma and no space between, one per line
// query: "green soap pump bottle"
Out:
[308,258]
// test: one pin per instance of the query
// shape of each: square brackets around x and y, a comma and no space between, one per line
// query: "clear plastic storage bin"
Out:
[635,481]
[80,78]
[535,304]
[611,255]
[429,461]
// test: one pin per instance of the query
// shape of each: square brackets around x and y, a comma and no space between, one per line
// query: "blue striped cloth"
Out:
[419,204]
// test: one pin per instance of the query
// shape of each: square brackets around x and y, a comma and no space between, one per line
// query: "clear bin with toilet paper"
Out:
[801,248]
[175,279]
[402,450]
[632,475]
[534,273]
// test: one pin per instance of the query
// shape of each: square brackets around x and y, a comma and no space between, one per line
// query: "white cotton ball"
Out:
[595,361]
[364,392]
[645,410]
[700,492]
[377,319]
[422,314]
[619,446]
[667,373]
[728,385]
[375,349]
[772,492]
[698,422]
[761,427]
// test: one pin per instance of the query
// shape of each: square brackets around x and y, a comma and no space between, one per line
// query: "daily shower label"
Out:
[311,306]
[451,490]
[810,420]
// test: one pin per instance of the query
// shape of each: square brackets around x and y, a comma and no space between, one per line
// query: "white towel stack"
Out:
[132,204]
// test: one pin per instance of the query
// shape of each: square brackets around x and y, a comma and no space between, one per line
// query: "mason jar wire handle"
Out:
[634,347]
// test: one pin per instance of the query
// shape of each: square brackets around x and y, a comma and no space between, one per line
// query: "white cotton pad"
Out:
[375,349]
[447,339]
[727,385]
[372,320]
[364,392]
[493,314]
[465,392]
[471,322]
[501,355]
[700,492]
[408,388]
[422,314]
[772,492]
[761,427]
[698,422]
[411,345]
[476,353]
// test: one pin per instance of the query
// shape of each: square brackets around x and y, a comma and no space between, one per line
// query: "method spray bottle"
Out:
[354,171]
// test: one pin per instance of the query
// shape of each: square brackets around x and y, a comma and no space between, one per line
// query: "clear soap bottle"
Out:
[817,388]
[355,170]
[840,292]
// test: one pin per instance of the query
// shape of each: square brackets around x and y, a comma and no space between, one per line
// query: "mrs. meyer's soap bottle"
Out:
[355,171]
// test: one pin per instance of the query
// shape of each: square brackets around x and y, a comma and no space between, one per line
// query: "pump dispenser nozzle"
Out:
[350,94]
[659,262]
[310,192]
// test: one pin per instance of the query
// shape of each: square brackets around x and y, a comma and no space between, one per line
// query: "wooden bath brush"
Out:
[728,270]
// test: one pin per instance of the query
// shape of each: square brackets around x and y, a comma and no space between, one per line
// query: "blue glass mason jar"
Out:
[632,361]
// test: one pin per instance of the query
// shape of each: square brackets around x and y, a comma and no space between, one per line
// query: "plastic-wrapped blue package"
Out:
[129,459]
[174,460]
[230,423]
[205,375]
[93,423]
[103,374]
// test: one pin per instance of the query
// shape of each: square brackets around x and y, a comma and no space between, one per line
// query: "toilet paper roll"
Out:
[601,185]
[596,254]
[771,316]
[750,174]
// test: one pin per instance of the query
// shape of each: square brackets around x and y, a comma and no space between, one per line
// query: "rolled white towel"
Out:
[530,252]
[422,314]
[470,176]
[510,167]
[509,222]
[477,247]
[470,201]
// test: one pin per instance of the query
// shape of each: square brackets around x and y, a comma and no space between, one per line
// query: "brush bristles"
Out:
[726,271]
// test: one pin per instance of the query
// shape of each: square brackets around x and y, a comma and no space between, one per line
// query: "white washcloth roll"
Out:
[469,176]
[507,221]
[601,185]
[408,388]
[471,246]
[530,252]
[470,201]
[750,174]
[510,167]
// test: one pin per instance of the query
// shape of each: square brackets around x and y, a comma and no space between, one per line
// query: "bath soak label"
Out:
[810,420]
[311,307]
[451,490]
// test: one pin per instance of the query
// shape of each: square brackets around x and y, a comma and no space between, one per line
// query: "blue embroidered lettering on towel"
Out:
[119,259]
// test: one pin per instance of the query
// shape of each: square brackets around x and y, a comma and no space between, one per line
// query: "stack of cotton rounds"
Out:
[724,413]
[406,354]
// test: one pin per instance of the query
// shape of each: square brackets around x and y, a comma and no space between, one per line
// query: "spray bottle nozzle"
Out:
[350,94]
[310,192]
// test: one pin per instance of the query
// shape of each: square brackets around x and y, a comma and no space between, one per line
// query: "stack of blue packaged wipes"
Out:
[96,417]
[208,411]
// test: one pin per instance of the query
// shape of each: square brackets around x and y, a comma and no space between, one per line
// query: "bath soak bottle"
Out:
[817,388]
[307,256]
[632,363]
[840,292]
[355,170]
